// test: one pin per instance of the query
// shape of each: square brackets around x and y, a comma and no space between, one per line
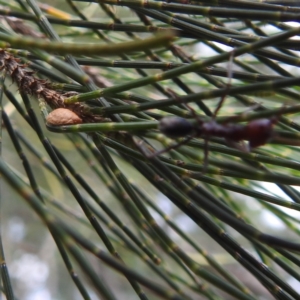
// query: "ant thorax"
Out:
[212,128]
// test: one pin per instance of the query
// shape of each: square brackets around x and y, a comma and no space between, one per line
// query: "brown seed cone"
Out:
[63,116]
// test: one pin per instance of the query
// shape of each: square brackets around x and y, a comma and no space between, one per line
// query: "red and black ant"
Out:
[256,132]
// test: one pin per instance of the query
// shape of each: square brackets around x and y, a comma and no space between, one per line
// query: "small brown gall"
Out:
[63,116]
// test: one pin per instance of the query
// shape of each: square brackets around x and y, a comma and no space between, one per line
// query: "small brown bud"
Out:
[63,116]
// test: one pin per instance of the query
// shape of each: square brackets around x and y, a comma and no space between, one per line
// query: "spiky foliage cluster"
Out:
[29,84]
[196,221]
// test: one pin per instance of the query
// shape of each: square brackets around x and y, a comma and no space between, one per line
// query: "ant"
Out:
[257,132]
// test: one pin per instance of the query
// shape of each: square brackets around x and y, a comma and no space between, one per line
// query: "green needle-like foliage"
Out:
[94,189]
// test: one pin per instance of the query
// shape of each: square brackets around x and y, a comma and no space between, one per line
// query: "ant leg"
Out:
[175,95]
[229,74]
[206,139]
[205,161]
[241,146]
[232,118]
[169,129]
[172,147]
[200,122]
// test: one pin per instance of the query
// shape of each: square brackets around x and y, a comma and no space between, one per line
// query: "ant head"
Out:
[175,127]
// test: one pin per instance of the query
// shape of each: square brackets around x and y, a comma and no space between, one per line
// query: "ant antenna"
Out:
[228,85]
[256,132]
[175,127]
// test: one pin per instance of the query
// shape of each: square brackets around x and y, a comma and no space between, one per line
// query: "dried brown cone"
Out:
[31,85]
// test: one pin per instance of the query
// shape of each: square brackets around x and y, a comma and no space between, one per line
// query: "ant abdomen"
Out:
[175,127]
[260,131]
